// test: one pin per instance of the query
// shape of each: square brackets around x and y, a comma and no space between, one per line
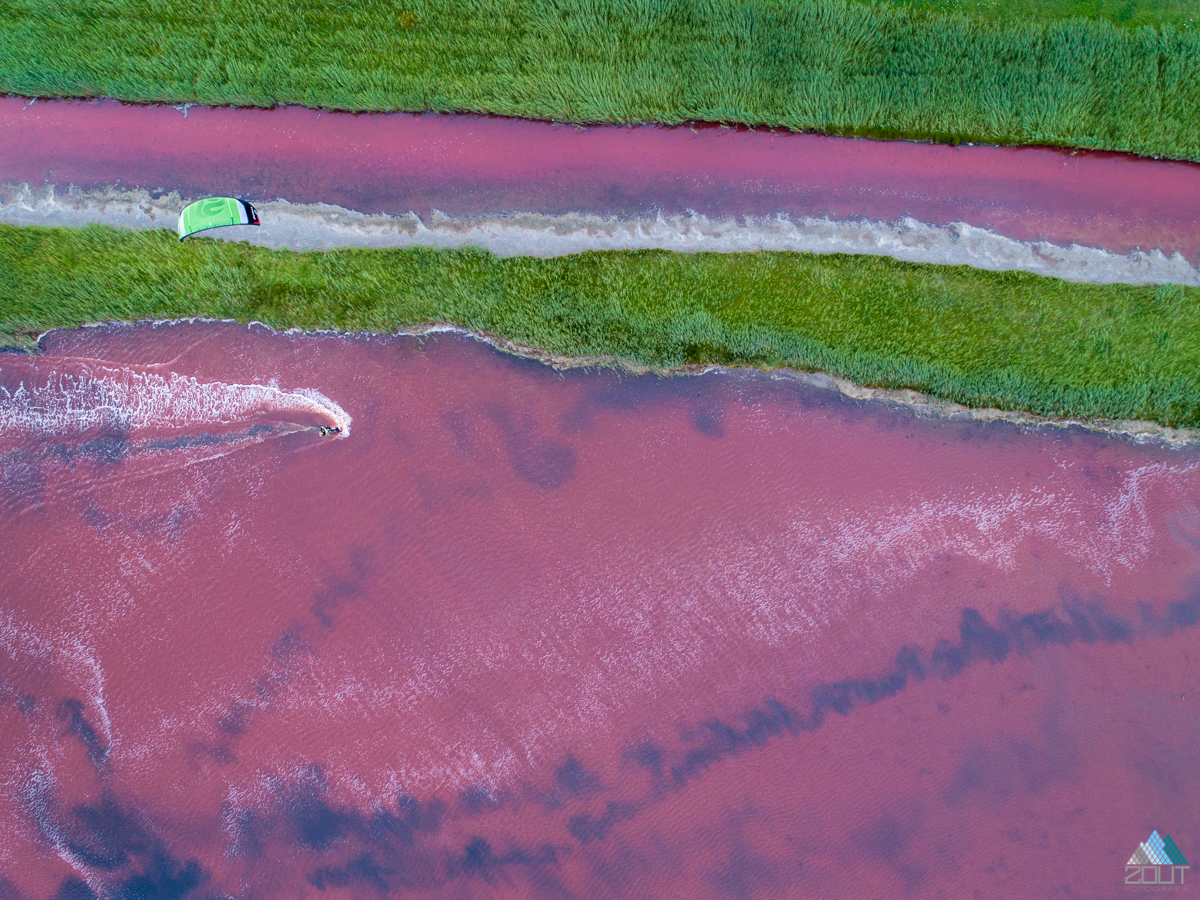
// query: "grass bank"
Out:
[990,70]
[1119,12]
[1011,340]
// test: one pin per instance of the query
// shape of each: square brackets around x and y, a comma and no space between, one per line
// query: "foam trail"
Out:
[322,226]
[132,401]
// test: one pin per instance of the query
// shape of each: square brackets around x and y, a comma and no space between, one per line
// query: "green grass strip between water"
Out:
[1002,71]
[1011,340]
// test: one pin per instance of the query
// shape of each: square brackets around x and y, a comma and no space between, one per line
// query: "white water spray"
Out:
[129,400]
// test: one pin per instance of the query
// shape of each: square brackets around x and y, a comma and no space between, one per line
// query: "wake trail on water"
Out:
[129,423]
[159,408]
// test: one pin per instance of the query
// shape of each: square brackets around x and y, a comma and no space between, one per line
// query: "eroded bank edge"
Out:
[916,402]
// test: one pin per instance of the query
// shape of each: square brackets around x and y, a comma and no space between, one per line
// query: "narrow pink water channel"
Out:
[518,633]
[465,165]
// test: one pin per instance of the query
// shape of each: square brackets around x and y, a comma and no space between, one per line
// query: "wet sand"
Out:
[537,634]
[467,166]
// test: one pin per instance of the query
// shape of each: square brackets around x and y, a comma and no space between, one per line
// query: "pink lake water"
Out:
[471,165]
[530,634]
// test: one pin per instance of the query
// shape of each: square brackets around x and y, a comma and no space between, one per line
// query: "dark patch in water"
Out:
[22,485]
[1179,614]
[341,587]
[318,826]
[479,799]
[1015,766]
[94,517]
[102,835]
[542,462]
[74,889]
[165,878]
[609,392]
[457,424]
[110,447]
[1086,621]
[479,860]
[886,838]
[26,703]
[362,870]
[71,712]
[289,653]
[708,422]
[979,641]
[649,755]
[586,827]
[108,837]
[574,779]
[383,848]
[397,865]
[744,873]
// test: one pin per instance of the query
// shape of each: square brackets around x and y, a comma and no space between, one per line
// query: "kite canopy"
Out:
[215,212]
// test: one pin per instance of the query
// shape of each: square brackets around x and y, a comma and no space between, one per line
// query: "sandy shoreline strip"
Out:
[324,227]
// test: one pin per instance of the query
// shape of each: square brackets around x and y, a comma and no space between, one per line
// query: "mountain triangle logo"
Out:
[1156,864]
[1157,851]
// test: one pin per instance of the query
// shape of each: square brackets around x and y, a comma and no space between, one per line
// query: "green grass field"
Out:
[1120,12]
[1002,71]
[1011,340]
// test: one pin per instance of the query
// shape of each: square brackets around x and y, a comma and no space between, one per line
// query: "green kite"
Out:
[215,212]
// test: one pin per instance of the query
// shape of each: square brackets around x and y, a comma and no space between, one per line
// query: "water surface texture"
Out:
[475,166]
[520,633]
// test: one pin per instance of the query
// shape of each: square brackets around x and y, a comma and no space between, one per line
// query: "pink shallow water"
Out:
[527,634]
[465,165]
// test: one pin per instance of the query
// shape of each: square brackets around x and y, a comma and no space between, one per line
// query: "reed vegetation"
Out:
[1119,12]
[999,71]
[1012,340]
